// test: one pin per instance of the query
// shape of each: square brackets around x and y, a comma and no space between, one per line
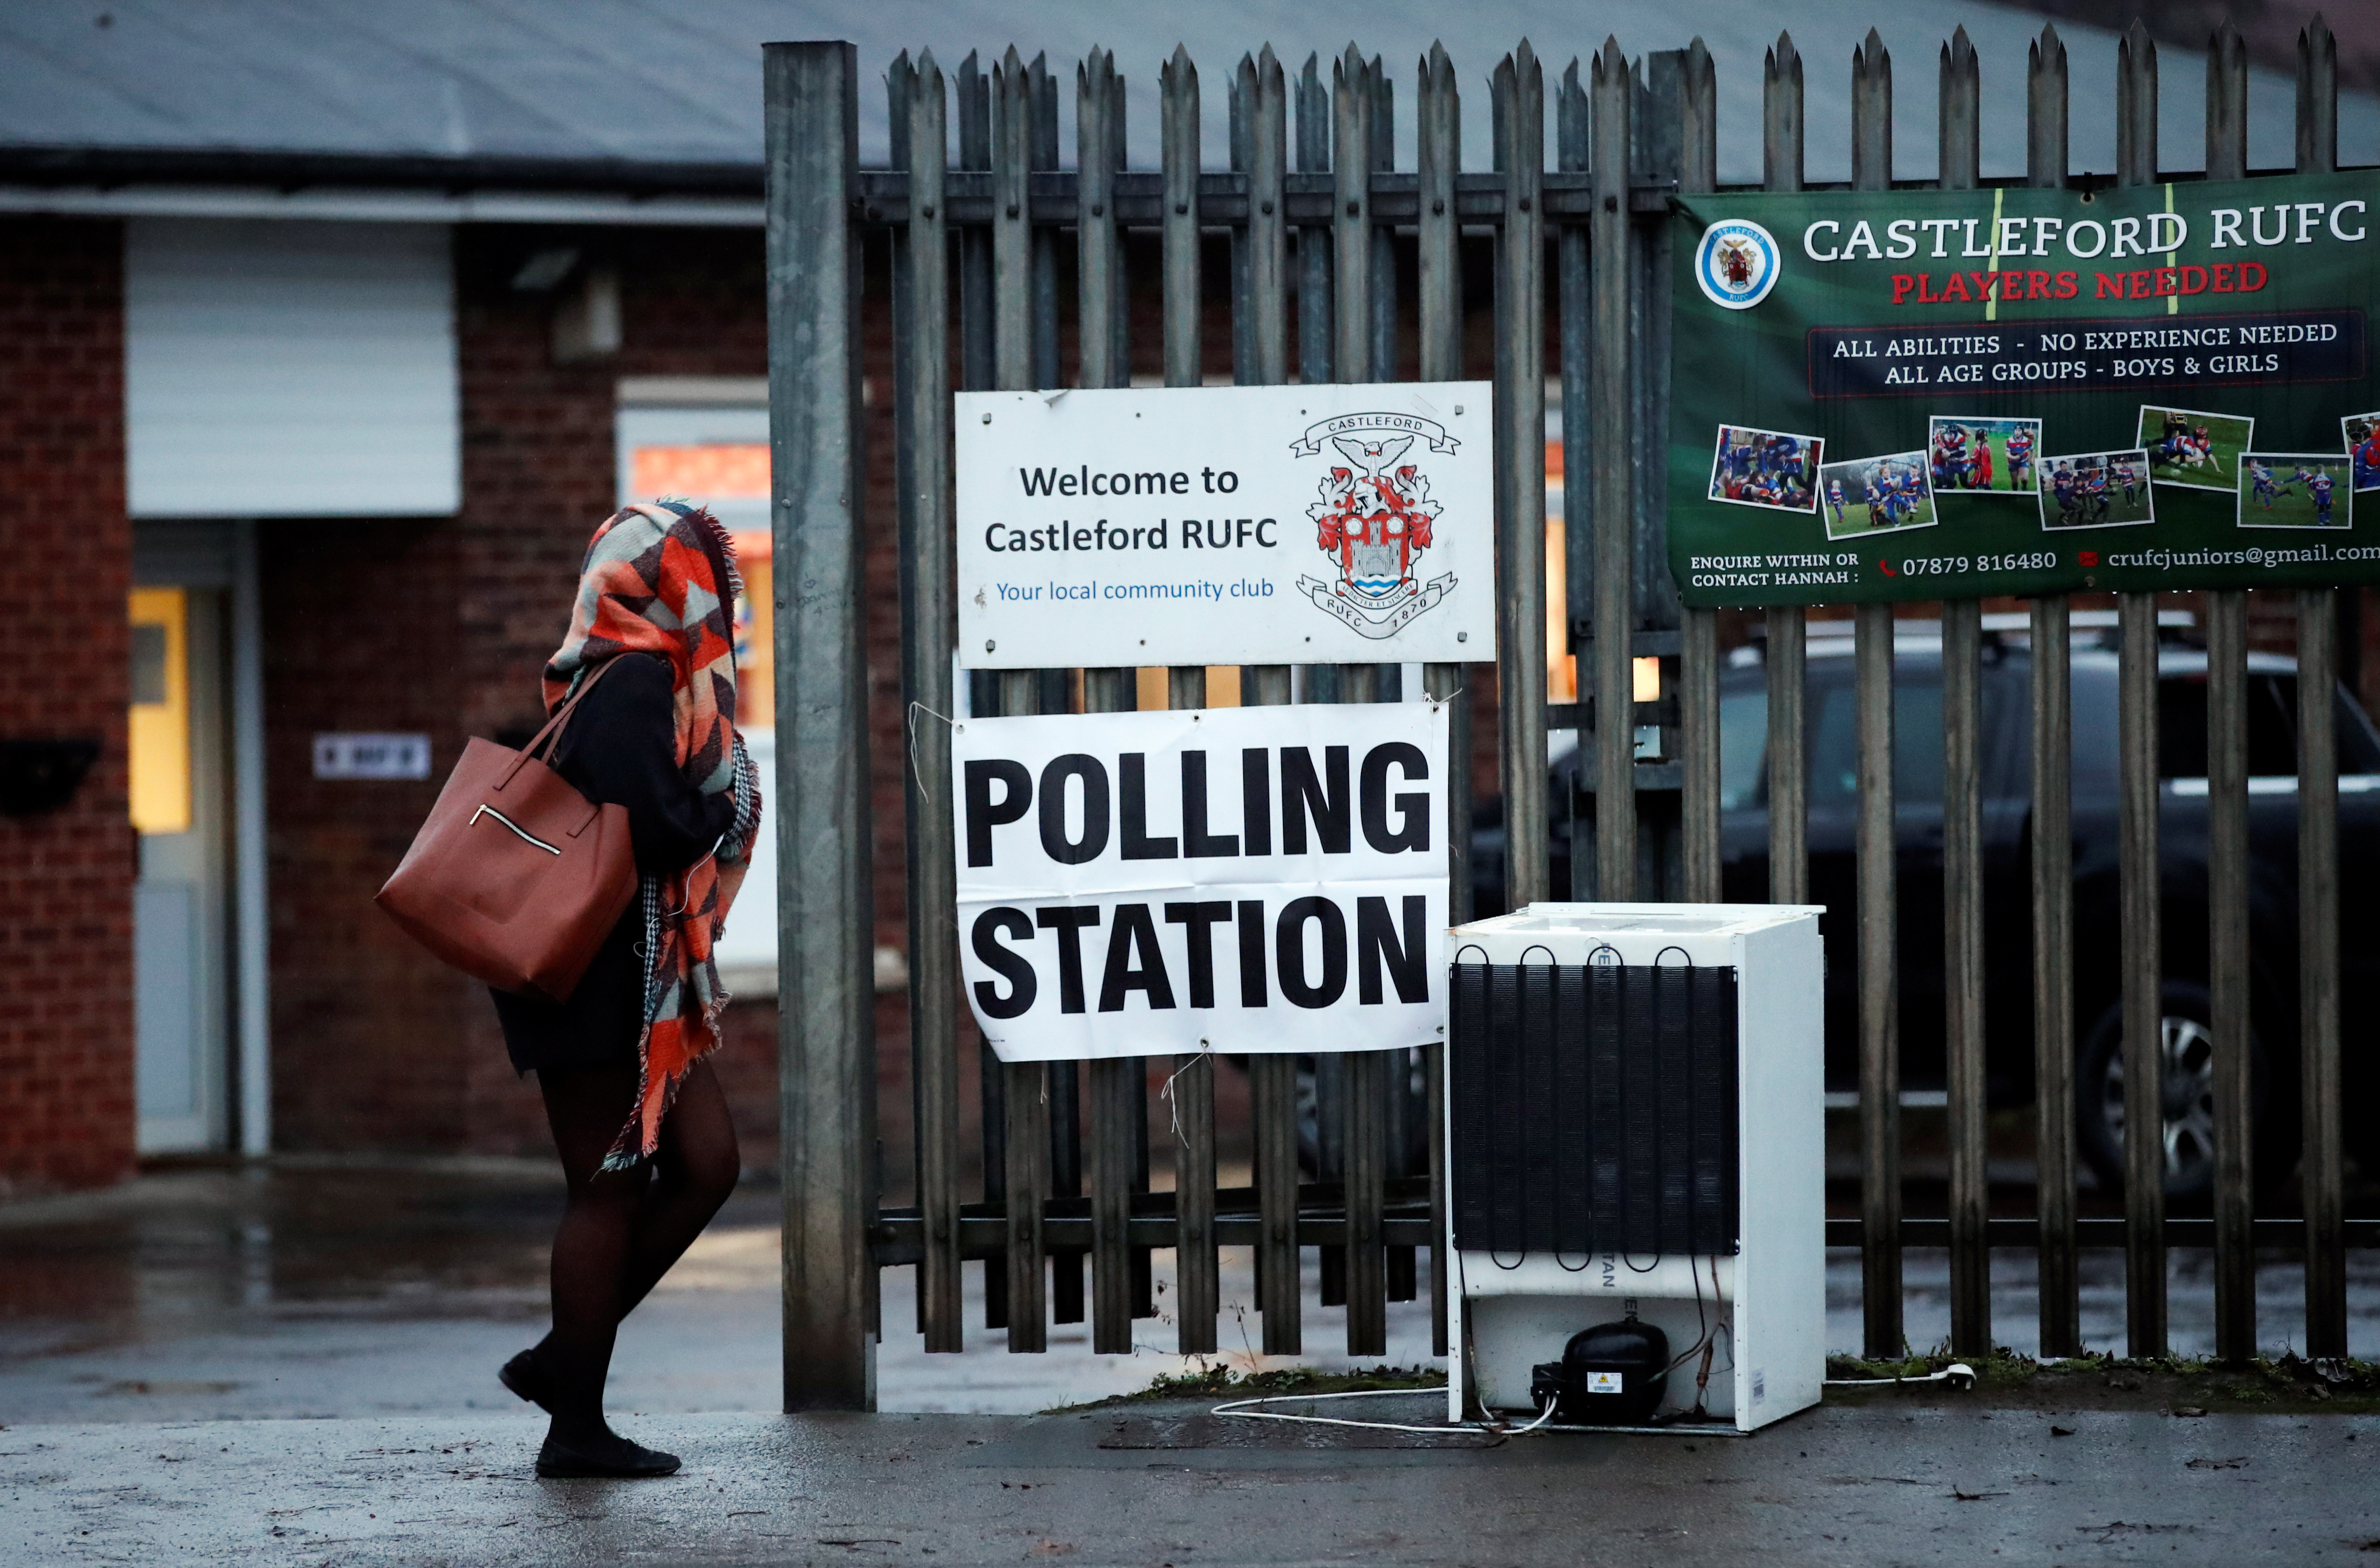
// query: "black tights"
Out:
[623,1229]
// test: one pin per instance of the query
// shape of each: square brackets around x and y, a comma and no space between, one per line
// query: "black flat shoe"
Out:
[526,1379]
[617,1458]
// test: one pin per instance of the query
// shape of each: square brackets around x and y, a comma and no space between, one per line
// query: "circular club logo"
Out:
[1736,263]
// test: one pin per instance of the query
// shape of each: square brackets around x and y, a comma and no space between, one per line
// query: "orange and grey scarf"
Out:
[662,579]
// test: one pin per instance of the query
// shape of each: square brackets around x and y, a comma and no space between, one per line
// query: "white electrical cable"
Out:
[1959,1375]
[1239,1408]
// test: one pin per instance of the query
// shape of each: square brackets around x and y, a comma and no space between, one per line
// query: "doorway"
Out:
[182,904]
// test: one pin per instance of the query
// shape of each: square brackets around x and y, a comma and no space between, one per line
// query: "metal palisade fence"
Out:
[1315,209]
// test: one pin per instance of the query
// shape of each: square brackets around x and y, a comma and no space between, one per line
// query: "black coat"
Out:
[620,748]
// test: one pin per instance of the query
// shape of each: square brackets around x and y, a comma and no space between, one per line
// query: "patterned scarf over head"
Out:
[662,579]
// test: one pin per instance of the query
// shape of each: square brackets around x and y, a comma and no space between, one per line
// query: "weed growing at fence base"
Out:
[2181,1385]
[1219,1382]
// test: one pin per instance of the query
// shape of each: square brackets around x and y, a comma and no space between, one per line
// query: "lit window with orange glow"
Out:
[729,478]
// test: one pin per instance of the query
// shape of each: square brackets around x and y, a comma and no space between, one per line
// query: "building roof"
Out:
[664,95]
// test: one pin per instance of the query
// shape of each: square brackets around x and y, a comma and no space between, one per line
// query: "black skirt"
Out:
[598,1025]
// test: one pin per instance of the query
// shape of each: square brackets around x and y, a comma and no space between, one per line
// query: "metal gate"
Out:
[1314,210]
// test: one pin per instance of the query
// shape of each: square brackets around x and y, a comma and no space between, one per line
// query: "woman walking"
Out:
[637,1117]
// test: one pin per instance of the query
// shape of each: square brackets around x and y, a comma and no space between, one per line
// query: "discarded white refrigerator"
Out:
[1635,1138]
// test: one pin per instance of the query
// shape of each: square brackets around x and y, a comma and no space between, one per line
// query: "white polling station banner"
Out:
[1259,880]
[1229,524]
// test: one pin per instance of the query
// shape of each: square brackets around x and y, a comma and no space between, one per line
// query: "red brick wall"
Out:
[442,627]
[368,1035]
[66,878]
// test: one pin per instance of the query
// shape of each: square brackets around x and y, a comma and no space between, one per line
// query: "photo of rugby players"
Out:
[2192,448]
[1769,469]
[1989,465]
[2294,490]
[1869,495]
[2097,490]
[2363,435]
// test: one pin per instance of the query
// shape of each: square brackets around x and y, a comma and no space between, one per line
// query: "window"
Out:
[1743,749]
[2272,727]
[1916,743]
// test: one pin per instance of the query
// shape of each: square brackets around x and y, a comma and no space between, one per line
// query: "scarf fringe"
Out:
[641,1136]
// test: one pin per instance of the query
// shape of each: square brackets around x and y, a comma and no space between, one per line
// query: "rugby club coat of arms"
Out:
[1375,520]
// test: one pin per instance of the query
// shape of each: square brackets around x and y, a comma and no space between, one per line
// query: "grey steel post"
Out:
[1698,648]
[1383,354]
[1314,314]
[975,244]
[826,1033]
[2318,988]
[1116,1084]
[900,86]
[2227,829]
[1351,95]
[2139,897]
[929,611]
[1099,244]
[978,374]
[1178,119]
[1438,141]
[1194,1082]
[1574,297]
[2318,1030]
[2227,898]
[2317,125]
[1610,280]
[1043,94]
[1267,228]
[1197,1279]
[2053,973]
[2059,1285]
[1315,346]
[1367,1287]
[1788,762]
[1519,90]
[1962,838]
[1025,1085]
[1350,214]
[1012,223]
[1656,605]
[1962,883]
[1875,849]
[1272,1080]
[1273,1084]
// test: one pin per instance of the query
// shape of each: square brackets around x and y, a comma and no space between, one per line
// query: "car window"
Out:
[1916,743]
[1742,748]
[2272,727]
[2359,752]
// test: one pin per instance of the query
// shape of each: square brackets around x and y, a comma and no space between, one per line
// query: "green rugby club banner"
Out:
[1941,394]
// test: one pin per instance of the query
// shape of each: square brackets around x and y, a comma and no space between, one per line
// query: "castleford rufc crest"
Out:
[1375,520]
[1736,263]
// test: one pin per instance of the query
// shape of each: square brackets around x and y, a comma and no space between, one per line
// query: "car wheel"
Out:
[2186,1040]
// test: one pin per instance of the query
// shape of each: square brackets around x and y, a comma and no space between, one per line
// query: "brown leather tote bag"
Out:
[516,878]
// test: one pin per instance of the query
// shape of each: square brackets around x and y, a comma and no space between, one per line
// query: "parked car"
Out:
[2005,752]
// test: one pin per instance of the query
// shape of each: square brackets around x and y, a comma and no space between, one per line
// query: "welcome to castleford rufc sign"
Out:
[1931,395]
[1272,525]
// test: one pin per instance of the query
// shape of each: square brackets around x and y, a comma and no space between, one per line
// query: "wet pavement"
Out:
[1841,1485]
[296,1365]
[351,1289]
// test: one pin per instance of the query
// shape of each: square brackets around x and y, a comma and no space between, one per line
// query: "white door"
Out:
[181,905]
